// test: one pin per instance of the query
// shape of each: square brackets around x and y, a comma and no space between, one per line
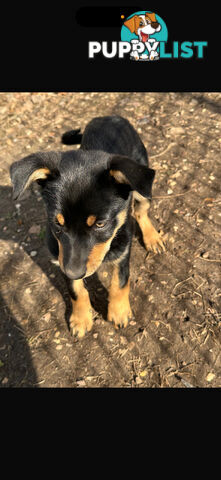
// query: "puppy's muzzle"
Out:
[76,274]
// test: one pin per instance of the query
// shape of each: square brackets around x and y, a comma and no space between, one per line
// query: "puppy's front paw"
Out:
[154,241]
[119,313]
[81,321]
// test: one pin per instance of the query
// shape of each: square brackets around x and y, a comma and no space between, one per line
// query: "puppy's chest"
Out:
[120,242]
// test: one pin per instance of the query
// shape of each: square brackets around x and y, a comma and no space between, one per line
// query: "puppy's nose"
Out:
[75,274]
[154,24]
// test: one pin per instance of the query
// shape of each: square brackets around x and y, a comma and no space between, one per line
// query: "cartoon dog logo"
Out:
[143,26]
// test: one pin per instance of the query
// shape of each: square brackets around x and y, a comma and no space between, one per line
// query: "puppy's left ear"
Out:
[38,166]
[139,177]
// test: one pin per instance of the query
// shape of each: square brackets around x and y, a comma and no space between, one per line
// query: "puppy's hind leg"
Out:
[152,239]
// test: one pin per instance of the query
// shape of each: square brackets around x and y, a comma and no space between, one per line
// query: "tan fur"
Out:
[40,174]
[60,219]
[99,251]
[151,17]
[81,319]
[119,176]
[133,23]
[152,239]
[96,256]
[91,220]
[60,255]
[119,259]
[119,311]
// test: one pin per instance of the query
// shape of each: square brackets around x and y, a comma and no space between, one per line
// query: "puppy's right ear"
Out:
[131,24]
[38,166]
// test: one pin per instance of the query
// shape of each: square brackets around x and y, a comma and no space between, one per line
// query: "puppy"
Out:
[143,26]
[89,194]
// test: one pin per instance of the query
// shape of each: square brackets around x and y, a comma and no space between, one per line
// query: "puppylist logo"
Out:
[144,36]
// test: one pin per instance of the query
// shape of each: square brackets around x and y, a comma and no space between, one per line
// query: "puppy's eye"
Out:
[58,230]
[141,24]
[100,224]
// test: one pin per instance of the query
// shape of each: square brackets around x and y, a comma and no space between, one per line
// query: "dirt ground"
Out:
[174,337]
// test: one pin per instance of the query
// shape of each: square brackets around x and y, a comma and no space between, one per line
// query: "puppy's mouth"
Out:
[144,36]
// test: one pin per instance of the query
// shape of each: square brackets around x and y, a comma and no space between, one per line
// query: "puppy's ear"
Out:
[131,24]
[38,166]
[139,177]
[151,17]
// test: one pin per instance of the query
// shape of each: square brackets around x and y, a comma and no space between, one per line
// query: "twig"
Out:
[179,283]
[172,195]
[164,151]
[210,260]
[187,384]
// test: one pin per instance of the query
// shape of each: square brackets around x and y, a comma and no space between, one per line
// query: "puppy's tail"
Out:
[73,137]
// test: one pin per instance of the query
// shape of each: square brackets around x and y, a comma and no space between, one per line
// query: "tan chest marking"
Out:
[60,255]
[99,250]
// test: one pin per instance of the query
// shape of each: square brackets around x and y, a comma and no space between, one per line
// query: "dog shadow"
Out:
[17,369]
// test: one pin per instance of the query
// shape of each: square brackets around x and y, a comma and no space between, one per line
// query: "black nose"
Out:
[154,24]
[75,274]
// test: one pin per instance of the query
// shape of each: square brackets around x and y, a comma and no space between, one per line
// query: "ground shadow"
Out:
[98,293]
[213,106]
[16,366]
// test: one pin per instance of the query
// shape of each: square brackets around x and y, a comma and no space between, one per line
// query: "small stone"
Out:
[34,229]
[46,317]
[138,380]
[33,253]
[210,377]
[4,381]
[177,131]
[205,255]
[81,383]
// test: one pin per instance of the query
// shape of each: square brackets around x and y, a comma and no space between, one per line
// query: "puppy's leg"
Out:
[152,239]
[119,311]
[81,319]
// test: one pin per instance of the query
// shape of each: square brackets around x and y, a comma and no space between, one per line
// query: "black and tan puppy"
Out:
[89,195]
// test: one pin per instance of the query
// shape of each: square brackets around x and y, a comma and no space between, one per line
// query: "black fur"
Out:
[73,137]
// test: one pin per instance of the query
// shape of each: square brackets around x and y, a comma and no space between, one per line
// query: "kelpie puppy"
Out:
[89,195]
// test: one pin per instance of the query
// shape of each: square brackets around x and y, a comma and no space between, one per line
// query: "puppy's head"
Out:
[152,22]
[143,25]
[87,196]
